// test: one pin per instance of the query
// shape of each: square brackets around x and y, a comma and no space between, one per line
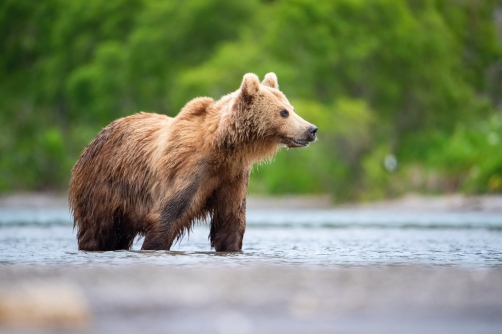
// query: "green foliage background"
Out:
[420,80]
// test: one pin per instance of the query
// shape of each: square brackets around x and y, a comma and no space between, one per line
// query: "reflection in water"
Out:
[311,237]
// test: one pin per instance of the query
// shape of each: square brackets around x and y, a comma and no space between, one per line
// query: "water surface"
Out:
[288,237]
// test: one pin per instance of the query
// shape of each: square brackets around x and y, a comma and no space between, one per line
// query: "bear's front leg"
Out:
[228,222]
[176,215]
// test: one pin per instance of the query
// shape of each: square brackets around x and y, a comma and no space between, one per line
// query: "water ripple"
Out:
[302,237]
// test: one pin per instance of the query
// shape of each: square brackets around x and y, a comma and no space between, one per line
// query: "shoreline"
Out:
[268,299]
[409,202]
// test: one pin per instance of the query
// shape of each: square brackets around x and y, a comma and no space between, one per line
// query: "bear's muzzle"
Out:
[311,135]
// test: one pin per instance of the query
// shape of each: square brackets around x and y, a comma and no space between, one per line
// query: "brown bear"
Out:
[154,175]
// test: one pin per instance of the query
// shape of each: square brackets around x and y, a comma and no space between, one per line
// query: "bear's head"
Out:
[262,114]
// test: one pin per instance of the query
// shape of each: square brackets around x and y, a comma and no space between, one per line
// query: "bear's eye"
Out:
[284,113]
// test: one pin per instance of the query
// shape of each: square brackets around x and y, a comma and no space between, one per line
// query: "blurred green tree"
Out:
[418,80]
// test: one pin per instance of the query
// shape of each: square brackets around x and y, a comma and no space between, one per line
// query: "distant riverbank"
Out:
[410,202]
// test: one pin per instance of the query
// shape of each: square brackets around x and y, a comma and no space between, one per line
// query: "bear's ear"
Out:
[250,84]
[270,80]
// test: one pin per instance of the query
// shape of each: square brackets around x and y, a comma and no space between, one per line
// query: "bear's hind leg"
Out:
[87,236]
[124,242]
[104,235]
[99,236]
[123,233]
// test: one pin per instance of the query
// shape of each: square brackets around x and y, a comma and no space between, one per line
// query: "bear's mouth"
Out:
[293,142]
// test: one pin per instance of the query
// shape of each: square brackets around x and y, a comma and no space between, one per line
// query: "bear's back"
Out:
[127,139]
[116,167]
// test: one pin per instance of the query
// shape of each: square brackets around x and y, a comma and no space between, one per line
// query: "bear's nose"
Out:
[313,130]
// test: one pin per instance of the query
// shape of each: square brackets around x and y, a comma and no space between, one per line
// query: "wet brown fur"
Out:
[154,175]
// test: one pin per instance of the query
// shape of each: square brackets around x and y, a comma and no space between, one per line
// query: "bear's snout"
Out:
[303,138]
[312,133]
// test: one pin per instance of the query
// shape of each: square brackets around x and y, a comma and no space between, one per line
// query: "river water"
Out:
[333,238]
